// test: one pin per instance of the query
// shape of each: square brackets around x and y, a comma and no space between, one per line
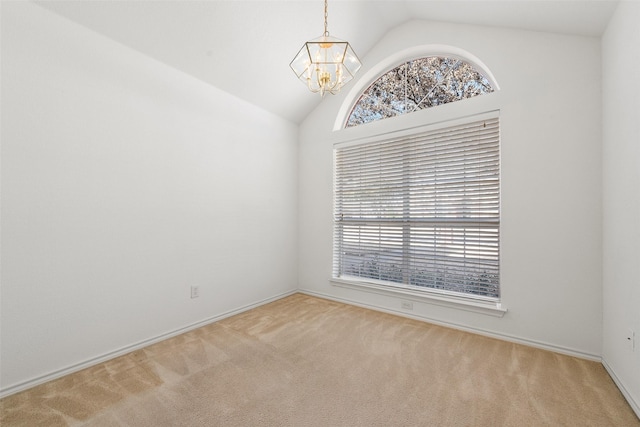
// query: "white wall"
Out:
[621,222]
[124,182]
[550,105]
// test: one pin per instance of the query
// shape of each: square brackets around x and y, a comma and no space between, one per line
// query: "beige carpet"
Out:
[304,361]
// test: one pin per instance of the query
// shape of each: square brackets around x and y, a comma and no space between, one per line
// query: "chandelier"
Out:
[325,64]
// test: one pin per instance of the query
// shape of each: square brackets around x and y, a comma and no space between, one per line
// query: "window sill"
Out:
[490,308]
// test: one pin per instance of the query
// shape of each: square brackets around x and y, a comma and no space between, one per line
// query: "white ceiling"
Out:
[244,46]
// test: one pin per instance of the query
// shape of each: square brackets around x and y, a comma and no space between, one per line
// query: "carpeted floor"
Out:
[304,361]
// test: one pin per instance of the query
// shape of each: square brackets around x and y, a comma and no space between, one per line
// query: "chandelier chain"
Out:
[326,16]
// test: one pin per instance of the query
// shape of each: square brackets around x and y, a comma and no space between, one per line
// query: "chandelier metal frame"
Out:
[326,63]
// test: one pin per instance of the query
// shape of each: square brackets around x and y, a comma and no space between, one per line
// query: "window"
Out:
[421,211]
[418,84]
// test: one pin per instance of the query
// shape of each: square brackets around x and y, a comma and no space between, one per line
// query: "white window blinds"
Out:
[421,211]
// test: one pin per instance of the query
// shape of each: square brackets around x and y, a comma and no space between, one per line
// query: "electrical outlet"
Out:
[406,305]
[631,339]
[195,292]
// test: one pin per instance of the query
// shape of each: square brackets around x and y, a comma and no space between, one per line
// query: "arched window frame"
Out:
[409,124]
[399,58]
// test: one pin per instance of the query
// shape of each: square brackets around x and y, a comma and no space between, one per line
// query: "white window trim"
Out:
[477,305]
[491,308]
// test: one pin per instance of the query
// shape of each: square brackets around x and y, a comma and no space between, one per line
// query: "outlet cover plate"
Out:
[195,292]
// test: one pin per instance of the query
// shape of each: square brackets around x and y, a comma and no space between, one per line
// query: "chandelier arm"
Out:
[313,90]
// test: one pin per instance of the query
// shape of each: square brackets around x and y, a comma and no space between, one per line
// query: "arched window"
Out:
[417,208]
[418,84]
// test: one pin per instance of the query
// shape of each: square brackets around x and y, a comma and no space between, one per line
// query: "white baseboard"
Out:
[491,334]
[137,346]
[634,405]
[133,347]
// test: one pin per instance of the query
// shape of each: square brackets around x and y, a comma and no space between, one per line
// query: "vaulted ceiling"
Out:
[244,46]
